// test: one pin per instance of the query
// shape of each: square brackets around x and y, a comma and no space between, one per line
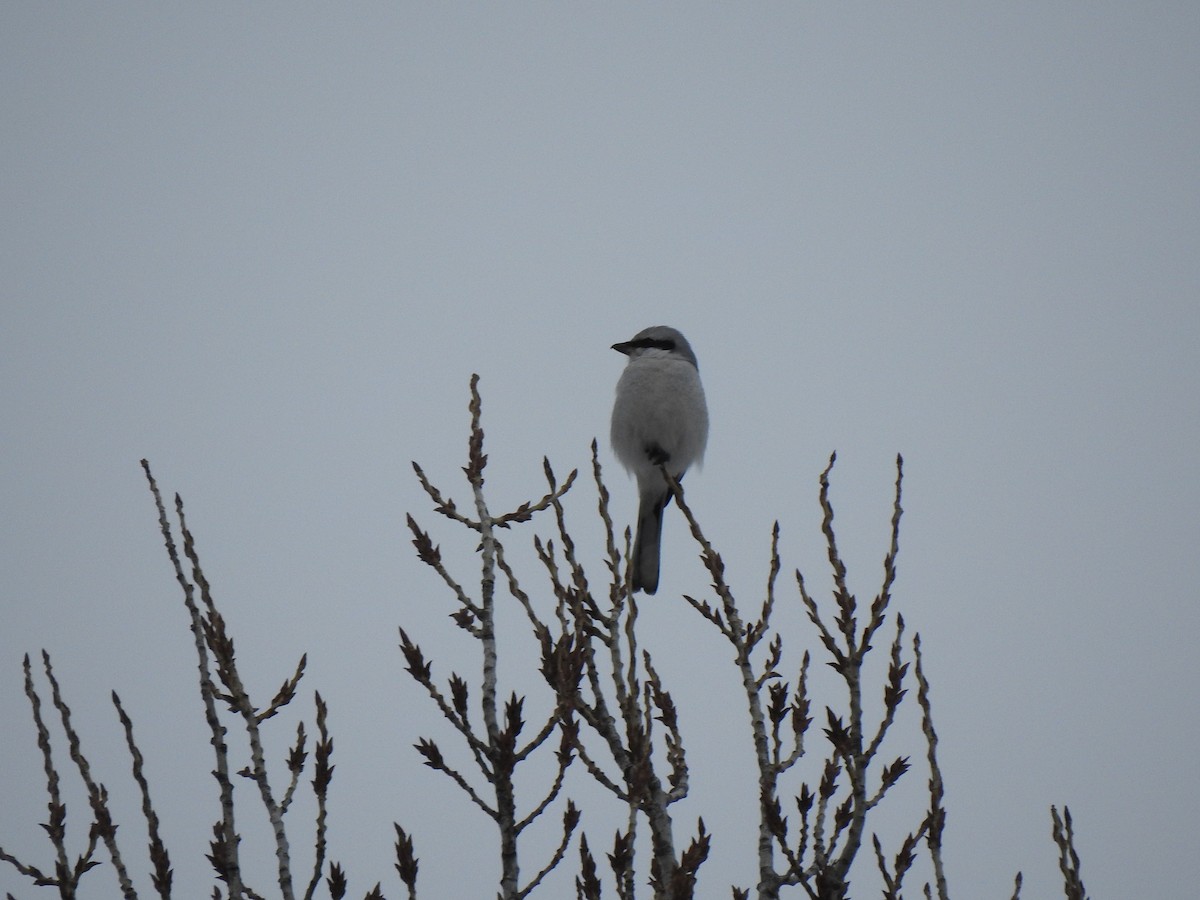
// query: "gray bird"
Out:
[659,418]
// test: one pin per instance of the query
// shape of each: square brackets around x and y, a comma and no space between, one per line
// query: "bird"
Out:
[659,418]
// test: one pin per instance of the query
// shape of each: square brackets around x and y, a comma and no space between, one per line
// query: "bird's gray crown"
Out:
[659,337]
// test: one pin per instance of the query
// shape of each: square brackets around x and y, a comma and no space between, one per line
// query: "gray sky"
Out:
[266,246]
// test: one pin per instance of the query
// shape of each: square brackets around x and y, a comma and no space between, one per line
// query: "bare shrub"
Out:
[604,708]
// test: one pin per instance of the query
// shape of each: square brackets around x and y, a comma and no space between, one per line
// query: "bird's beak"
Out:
[623,347]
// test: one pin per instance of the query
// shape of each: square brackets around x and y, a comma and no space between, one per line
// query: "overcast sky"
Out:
[266,245]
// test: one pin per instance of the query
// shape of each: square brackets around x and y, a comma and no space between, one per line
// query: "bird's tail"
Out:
[646,545]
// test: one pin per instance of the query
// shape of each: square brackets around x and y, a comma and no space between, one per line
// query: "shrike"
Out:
[659,418]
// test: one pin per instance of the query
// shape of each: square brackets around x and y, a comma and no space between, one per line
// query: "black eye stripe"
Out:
[655,343]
